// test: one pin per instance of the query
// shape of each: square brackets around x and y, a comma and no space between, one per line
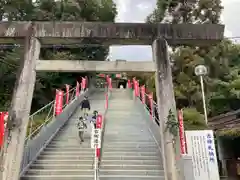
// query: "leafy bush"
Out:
[193,120]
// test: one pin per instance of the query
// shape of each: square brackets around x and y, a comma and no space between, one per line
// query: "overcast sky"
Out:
[137,11]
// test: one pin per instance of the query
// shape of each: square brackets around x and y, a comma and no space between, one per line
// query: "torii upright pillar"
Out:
[12,153]
[166,102]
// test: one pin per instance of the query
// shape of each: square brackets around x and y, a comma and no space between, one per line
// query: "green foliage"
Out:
[36,124]
[172,124]
[222,84]
[193,120]
[175,11]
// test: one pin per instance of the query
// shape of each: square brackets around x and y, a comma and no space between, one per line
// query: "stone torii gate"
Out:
[34,34]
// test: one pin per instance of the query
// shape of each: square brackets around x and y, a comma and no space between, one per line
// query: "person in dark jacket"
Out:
[85,106]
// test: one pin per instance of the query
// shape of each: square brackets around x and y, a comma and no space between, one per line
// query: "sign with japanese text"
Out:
[201,148]
[96,138]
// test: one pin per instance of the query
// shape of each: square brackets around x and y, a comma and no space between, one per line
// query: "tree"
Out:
[175,11]
[222,60]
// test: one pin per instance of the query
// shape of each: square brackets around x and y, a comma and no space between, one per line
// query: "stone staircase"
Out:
[65,158]
[130,151]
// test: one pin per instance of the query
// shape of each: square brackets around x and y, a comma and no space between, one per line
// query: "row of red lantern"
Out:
[58,106]
[141,90]
[183,147]
[83,85]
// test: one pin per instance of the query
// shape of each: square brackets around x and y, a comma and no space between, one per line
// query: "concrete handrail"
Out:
[35,146]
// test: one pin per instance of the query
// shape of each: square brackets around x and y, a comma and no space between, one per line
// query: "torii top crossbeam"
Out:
[112,33]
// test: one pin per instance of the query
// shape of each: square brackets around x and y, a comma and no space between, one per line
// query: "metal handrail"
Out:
[155,107]
[49,104]
[48,117]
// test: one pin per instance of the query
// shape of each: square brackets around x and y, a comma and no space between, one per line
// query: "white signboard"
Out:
[96,138]
[201,147]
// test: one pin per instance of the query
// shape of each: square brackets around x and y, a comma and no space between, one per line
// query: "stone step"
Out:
[66,161]
[66,157]
[129,149]
[121,130]
[132,177]
[130,141]
[68,149]
[127,138]
[69,141]
[126,128]
[49,172]
[130,162]
[117,143]
[131,172]
[57,177]
[69,145]
[131,158]
[87,137]
[132,167]
[57,150]
[79,153]
[106,139]
[77,177]
[90,172]
[132,131]
[62,166]
[122,153]
[124,115]
[105,155]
